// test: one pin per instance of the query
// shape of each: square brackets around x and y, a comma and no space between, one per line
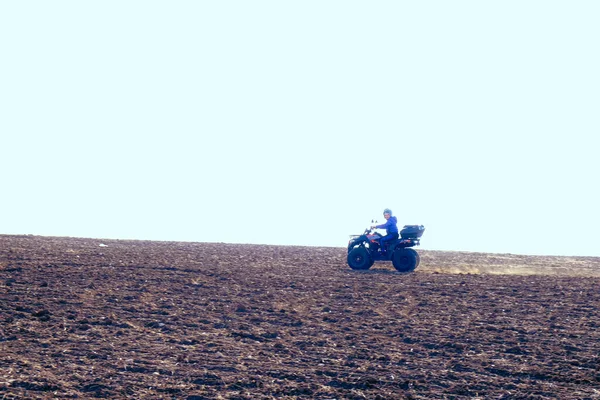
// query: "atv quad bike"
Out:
[364,250]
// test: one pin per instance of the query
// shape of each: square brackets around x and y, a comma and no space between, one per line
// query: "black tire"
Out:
[405,260]
[359,259]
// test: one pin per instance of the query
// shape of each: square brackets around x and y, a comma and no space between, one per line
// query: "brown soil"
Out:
[87,318]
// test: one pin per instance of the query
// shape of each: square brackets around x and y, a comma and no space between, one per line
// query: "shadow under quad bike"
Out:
[364,250]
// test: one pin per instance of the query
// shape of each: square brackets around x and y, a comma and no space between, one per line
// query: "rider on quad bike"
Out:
[391,230]
[365,249]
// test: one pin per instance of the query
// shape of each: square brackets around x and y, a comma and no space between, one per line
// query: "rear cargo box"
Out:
[412,231]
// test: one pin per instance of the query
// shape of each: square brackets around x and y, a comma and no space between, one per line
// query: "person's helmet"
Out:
[387,211]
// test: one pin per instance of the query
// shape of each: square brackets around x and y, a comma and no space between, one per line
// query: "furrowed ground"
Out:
[89,318]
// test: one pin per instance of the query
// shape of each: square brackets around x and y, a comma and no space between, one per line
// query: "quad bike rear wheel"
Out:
[405,260]
[359,259]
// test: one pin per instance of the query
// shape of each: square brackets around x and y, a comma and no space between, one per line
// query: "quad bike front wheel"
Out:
[405,260]
[359,259]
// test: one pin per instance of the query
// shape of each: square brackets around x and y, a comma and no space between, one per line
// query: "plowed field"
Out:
[88,318]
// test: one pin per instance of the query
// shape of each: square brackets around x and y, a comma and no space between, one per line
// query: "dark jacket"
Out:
[390,226]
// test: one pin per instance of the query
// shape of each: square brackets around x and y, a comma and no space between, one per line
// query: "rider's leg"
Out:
[384,241]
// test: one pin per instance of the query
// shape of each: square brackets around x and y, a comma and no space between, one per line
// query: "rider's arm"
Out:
[384,226]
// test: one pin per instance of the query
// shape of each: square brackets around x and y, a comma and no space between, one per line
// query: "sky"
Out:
[297,123]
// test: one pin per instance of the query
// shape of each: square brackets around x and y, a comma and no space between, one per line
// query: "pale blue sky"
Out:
[295,123]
